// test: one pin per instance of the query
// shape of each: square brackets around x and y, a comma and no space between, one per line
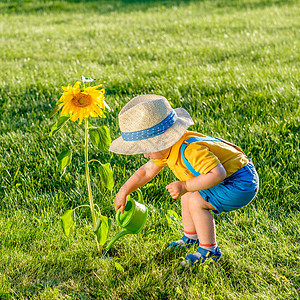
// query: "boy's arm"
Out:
[201,182]
[140,177]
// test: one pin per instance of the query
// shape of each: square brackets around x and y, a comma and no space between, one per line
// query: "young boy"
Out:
[213,174]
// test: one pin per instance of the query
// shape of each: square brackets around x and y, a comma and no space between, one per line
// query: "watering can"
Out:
[133,219]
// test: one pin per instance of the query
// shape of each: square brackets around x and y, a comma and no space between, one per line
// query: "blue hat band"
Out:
[156,130]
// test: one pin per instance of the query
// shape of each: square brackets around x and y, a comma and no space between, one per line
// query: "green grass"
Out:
[234,65]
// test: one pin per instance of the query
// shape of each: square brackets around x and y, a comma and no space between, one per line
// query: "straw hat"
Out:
[149,124]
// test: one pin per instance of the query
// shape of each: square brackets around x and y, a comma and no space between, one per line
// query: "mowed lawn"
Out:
[234,65]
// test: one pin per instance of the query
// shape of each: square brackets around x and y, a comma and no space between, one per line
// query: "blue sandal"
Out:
[201,256]
[183,243]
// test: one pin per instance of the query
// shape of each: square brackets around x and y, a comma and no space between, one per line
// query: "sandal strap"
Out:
[191,259]
[184,242]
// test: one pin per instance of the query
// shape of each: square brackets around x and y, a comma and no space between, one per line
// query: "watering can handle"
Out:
[140,196]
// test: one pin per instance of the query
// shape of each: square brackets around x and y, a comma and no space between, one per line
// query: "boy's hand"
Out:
[120,201]
[176,189]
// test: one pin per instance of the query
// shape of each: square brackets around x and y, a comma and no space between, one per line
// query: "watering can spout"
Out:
[119,235]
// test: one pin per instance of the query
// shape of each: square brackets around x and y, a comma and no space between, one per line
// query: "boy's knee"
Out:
[196,201]
[185,198]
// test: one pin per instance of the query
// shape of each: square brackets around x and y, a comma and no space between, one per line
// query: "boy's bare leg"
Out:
[187,221]
[201,218]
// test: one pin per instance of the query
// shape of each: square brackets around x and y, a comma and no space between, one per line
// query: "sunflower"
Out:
[80,104]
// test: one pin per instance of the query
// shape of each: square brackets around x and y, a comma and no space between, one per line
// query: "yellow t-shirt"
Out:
[203,156]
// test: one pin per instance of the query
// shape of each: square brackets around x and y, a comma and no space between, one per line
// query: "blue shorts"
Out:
[233,192]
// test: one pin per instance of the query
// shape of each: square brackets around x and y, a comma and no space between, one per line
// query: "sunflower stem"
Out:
[92,205]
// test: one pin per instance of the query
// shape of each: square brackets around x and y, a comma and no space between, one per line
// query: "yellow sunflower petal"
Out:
[74,117]
[77,84]
[101,104]
[93,114]
[67,109]
[66,88]
[97,110]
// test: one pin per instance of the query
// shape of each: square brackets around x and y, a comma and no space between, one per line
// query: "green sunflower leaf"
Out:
[172,217]
[95,137]
[53,112]
[100,138]
[59,124]
[67,222]
[106,175]
[119,267]
[64,159]
[102,228]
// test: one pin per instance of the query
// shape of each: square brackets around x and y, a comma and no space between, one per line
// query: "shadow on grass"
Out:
[127,6]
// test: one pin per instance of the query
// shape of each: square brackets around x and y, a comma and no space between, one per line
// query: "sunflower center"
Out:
[82,100]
